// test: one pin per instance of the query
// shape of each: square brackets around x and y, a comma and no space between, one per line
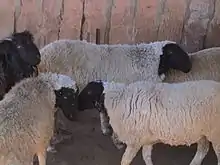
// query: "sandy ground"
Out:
[87,146]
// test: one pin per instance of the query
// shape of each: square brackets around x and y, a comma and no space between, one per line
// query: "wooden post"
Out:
[98,36]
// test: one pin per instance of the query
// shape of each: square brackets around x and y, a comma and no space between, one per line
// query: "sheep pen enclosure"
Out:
[194,24]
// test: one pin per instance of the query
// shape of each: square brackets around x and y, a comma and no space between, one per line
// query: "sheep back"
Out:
[142,112]
[85,61]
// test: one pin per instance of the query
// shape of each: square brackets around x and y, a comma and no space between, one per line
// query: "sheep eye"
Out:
[19,46]
[170,52]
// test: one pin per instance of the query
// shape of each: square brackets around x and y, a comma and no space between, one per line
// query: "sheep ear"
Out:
[28,34]
[4,47]
[23,35]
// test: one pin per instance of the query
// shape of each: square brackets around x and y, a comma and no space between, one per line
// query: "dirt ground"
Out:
[87,146]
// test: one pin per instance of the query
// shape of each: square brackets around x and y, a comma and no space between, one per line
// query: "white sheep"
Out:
[27,117]
[205,66]
[144,113]
[85,62]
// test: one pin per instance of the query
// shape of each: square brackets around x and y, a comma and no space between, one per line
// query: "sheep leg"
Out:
[118,144]
[105,126]
[146,154]
[42,157]
[129,154]
[216,148]
[51,148]
[202,150]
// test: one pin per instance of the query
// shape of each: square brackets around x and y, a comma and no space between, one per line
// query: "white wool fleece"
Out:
[27,118]
[144,113]
[146,110]
[87,62]
[59,80]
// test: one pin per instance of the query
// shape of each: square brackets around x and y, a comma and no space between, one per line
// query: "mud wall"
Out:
[192,23]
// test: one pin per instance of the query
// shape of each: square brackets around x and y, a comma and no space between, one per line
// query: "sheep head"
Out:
[90,95]
[174,57]
[28,51]
[66,92]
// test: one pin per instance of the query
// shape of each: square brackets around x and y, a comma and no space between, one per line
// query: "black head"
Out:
[67,101]
[13,67]
[90,95]
[174,57]
[24,43]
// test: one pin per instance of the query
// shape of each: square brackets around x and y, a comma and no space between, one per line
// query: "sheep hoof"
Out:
[120,146]
[162,77]
[51,149]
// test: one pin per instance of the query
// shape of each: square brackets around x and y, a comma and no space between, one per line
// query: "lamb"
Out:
[27,117]
[19,57]
[84,61]
[141,114]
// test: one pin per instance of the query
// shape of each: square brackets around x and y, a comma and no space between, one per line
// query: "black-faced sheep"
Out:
[144,113]
[86,61]
[205,66]
[27,117]
[19,57]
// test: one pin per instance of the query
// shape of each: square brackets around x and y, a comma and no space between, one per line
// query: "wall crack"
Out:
[60,19]
[83,19]
[108,16]
[133,13]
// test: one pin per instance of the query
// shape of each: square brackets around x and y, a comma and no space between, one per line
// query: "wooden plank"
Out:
[195,27]
[212,38]
[71,20]
[120,25]
[94,18]
[172,20]
[29,17]
[148,20]
[7,9]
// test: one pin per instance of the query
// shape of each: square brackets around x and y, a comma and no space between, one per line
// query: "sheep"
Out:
[205,65]
[19,57]
[86,61]
[27,117]
[141,114]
